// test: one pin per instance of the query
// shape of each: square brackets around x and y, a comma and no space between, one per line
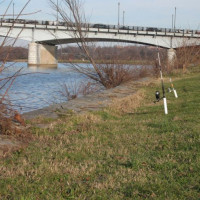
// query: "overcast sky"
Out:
[150,13]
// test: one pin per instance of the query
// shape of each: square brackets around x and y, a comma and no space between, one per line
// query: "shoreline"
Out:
[90,102]
[128,62]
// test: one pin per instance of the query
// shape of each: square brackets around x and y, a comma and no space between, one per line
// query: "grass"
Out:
[128,153]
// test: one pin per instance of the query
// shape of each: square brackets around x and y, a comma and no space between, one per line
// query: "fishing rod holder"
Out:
[171,89]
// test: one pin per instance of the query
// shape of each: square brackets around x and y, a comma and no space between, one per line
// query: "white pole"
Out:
[175,93]
[165,105]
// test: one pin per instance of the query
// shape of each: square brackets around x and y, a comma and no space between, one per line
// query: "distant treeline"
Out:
[129,53]
[13,53]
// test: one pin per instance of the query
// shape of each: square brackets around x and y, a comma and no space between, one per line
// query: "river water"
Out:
[40,87]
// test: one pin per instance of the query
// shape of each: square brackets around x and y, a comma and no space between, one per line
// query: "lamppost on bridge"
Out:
[175,19]
[123,17]
[13,11]
[118,13]
[57,11]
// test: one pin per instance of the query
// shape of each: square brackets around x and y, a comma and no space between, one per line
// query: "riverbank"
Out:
[90,102]
[128,62]
[129,149]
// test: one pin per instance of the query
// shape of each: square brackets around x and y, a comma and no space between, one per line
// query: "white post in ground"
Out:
[165,105]
[172,85]
[175,93]
[42,55]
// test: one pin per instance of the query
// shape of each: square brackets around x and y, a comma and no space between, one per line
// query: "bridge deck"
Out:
[132,30]
[55,33]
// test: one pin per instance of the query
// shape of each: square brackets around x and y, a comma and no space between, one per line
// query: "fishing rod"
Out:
[157,94]
[172,88]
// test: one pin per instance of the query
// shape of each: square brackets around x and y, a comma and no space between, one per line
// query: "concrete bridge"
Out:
[45,35]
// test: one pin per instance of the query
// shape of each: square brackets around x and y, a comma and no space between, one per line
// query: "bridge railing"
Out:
[140,28]
[99,26]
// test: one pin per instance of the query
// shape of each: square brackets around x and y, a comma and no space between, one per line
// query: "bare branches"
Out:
[7,9]
[31,13]
[108,75]
[6,111]
[186,55]
[73,89]
[8,33]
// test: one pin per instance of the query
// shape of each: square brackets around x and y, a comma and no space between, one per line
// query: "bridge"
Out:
[45,35]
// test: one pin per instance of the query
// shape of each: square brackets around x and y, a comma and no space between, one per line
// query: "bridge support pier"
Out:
[42,55]
[171,54]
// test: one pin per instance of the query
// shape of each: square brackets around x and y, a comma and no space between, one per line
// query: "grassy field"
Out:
[132,153]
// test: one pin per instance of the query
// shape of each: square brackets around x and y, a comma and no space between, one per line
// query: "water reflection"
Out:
[46,67]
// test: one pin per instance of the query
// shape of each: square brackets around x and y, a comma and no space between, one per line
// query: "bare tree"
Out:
[187,55]
[7,113]
[72,13]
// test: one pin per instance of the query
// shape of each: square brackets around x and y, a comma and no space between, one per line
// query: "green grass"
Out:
[109,155]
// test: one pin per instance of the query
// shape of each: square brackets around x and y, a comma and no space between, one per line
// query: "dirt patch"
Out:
[11,143]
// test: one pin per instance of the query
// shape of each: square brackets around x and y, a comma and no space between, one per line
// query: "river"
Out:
[40,87]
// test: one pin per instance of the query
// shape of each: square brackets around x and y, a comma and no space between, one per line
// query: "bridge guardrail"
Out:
[99,26]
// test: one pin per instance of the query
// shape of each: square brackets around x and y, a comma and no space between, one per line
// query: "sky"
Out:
[149,13]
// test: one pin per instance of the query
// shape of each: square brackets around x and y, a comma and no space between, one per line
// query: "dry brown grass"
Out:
[187,56]
[5,120]
[128,104]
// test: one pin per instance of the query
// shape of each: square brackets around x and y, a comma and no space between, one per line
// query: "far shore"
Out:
[128,62]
